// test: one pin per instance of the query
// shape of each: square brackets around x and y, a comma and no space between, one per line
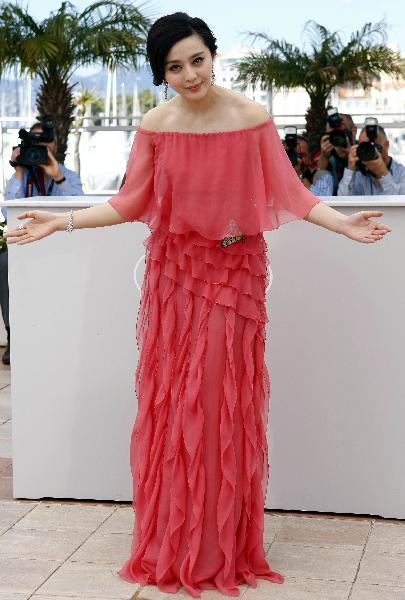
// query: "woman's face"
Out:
[188,68]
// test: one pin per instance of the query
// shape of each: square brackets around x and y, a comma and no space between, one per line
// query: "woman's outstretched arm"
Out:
[43,223]
[357,226]
[101,215]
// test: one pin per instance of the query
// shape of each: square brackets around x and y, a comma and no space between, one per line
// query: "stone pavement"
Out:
[70,550]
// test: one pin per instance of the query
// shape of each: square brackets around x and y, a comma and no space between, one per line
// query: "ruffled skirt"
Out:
[198,453]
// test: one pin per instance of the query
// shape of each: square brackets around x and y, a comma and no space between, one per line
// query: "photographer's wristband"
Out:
[59,181]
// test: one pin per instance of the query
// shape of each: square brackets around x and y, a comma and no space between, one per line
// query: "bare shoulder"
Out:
[255,114]
[233,111]
[249,112]
[155,118]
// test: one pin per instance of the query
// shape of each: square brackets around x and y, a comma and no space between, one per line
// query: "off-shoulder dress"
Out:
[198,451]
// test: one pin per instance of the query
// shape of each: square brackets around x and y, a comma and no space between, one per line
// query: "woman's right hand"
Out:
[42,224]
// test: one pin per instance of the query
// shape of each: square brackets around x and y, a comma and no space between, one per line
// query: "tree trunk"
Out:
[55,99]
[78,136]
[76,156]
[316,119]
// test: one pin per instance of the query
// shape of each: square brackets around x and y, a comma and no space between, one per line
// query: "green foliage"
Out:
[97,107]
[328,63]
[147,100]
[3,228]
[323,64]
[109,32]
[82,100]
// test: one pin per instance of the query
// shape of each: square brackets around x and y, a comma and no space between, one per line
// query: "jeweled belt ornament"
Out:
[227,241]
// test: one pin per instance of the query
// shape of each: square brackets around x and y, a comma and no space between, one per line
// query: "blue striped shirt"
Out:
[354,183]
[323,186]
[15,188]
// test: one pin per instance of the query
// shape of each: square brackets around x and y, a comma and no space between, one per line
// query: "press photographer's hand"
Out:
[19,171]
[52,168]
[377,166]
[352,158]
[326,146]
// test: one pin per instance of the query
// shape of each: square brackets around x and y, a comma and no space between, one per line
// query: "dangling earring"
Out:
[212,77]
[166,85]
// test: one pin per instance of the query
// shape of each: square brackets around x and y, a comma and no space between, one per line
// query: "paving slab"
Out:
[24,575]
[314,562]
[299,589]
[87,580]
[77,516]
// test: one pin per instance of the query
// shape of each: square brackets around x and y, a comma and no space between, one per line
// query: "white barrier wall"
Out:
[334,351]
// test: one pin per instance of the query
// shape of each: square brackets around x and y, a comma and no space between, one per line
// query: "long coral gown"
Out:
[198,451]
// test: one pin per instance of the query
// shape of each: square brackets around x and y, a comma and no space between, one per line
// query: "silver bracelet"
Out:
[69,227]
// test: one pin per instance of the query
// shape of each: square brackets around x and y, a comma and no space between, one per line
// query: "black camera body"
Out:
[290,143]
[368,150]
[339,135]
[32,153]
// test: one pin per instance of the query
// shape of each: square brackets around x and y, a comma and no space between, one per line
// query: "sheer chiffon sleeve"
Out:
[228,183]
[285,196]
[218,184]
[136,200]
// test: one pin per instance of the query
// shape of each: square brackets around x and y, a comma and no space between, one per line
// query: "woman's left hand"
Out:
[358,227]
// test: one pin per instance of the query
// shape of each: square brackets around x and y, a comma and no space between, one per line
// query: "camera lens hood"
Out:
[367,151]
[337,138]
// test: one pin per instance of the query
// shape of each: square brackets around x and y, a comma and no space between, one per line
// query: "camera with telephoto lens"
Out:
[340,134]
[369,150]
[290,143]
[32,153]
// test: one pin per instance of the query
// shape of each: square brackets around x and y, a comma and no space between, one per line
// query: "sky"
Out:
[229,19]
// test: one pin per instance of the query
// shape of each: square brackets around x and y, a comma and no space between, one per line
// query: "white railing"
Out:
[104,148]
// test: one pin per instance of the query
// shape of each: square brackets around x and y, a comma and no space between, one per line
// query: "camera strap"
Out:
[36,178]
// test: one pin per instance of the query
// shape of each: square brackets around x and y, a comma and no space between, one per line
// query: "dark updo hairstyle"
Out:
[167,31]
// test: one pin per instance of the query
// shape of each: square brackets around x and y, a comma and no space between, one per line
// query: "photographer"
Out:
[335,145]
[48,178]
[371,171]
[320,183]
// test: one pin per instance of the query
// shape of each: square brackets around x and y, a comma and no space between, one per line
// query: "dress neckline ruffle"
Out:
[206,133]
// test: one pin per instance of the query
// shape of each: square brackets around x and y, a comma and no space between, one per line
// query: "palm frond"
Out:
[267,70]
[370,34]
[12,13]
[110,32]
[327,63]
[367,64]
[320,37]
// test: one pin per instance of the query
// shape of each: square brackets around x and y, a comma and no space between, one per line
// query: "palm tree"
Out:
[109,32]
[329,62]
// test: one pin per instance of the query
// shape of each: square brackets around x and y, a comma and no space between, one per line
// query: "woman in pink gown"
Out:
[198,448]
[208,174]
